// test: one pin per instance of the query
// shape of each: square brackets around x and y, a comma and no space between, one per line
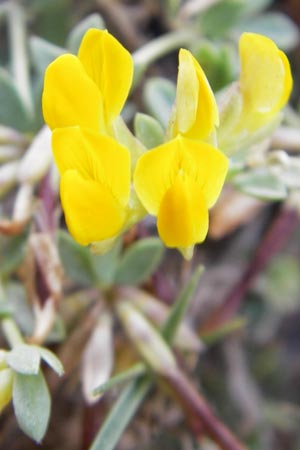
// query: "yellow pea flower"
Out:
[88,90]
[178,182]
[265,80]
[195,114]
[95,183]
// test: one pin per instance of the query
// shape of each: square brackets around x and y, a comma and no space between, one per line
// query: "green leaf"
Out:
[51,359]
[121,377]
[77,33]
[255,6]
[159,97]
[260,183]
[32,404]
[148,130]
[5,310]
[76,260]
[43,53]
[277,26]
[121,414]
[139,261]
[220,17]
[238,323]
[16,295]
[218,62]
[85,267]
[24,359]
[12,110]
[12,252]
[290,175]
[105,266]
[180,306]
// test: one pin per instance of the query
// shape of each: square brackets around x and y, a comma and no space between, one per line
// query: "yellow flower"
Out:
[178,182]
[95,183]
[89,90]
[196,114]
[265,80]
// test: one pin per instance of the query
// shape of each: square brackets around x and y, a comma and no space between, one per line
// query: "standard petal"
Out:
[206,165]
[94,156]
[187,92]
[70,97]
[265,79]
[157,169]
[183,215]
[92,213]
[196,107]
[154,174]
[110,66]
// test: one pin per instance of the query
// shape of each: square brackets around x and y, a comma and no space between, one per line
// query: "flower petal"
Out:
[183,214]
[265,79]
[157,169]
[206,165]
[110,66]
[196,107]
[70,97]
[154,174]
[95,157]
[92,213]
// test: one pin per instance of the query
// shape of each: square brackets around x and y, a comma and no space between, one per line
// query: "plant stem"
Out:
[199,414]
[163,45]
[160,47]
[11,332]
[19,53]
[9,326]
[273,240]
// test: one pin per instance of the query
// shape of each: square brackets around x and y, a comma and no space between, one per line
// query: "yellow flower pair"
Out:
[82,97]
[178,181]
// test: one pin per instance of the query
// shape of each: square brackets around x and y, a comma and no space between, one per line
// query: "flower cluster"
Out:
[178,181]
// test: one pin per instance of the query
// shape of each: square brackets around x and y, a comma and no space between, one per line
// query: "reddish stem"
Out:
[273,240]
[199,414]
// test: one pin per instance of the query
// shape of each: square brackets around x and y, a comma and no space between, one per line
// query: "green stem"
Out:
[19,53]
[11,332]
[160,47]
[9,326]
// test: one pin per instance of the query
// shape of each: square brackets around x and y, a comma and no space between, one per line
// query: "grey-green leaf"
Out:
[121,414]
[105,265]
[139,261]
[77,33]
[159,97]
[76,260]
[51,359]
[12,252]
[43,53]
[180,305]
[148,130]
[216,20]
[261,183]
[277,26]
[12,110]
[32,404]
[24,359]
